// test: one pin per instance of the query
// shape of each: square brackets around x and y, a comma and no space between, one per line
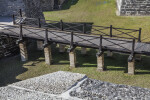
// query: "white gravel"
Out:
[98,90]
[54,83]
[13,93]
[46,87]
[70,86]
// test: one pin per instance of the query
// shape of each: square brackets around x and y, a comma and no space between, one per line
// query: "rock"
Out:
[92,89]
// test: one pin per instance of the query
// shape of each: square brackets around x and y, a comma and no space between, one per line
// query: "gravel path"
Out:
[98,90]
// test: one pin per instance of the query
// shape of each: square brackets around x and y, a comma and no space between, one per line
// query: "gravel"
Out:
[12,93]
[70,86]
[52,86]
[54,83]
[98,90]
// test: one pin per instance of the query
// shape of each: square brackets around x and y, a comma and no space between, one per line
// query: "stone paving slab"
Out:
[54,83]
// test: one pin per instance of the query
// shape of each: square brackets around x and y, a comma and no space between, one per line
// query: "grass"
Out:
[100,13]
[13,70]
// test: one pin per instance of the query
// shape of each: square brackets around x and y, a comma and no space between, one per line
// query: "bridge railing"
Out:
[82,27]
[72,38]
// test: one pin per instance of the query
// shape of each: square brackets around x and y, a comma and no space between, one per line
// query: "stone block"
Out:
[100,63]
[72,57]
[48,55]
[23,51]
[131,67]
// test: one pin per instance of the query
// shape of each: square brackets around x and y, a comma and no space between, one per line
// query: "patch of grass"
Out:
[100,12]
[13,70]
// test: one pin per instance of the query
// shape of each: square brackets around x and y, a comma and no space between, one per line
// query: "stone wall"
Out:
[33,9]
[47,5]
[9,7]
[133,7]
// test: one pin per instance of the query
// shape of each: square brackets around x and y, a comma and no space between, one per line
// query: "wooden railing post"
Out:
[21,33]
[110,30]
[39,22]
[46,37]
[61,25]
[110,53]
[13,19]
[133,45]
[83,49]
[20,12]
[71,43]
[84,28]
[139,38]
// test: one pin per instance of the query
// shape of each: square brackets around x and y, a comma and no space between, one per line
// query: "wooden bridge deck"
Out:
[82,40]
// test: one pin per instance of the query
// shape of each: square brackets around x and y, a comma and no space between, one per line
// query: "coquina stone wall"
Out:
[33,8]
[9,7]
[133,7]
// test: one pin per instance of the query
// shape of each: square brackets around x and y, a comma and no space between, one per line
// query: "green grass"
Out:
[100,14]
[13,70]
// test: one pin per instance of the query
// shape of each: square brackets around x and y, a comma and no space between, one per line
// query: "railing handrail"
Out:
[68,26]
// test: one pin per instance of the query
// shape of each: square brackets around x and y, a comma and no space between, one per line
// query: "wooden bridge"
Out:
[77,35]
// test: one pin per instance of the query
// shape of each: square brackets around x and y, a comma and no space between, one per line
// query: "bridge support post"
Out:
[131,67]
[100,63]
[23,51]
[109,53]
[62,48]
[40,45]
[131,60]
[138,57]
[72,58]
[100,57]
[83,50]
[48,55]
